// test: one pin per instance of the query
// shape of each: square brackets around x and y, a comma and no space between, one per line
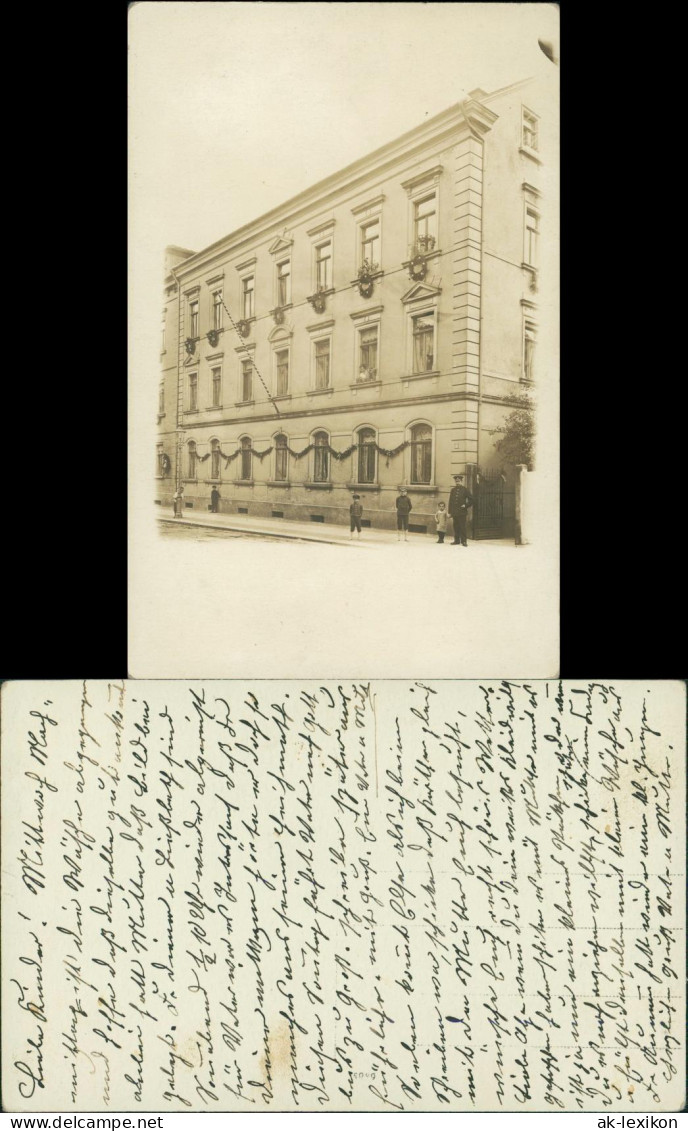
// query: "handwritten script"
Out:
[393,896]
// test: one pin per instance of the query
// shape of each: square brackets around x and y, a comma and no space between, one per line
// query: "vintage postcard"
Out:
[344,339]
[399,896]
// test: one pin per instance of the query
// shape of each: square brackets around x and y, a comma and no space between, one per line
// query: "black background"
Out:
[623,505]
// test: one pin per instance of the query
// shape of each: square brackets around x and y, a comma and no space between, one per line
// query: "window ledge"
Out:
[317,486]
[211,481]
[426,255]
[190,412]
[213,407]
[363,486]
[279,483]
[243,482]
[423,488]
[243,404]
[377,275]
[533,273]
[365,384]
[318,392]
[418,376]
[161,416]
[529,153]
[187,480]
[281,397]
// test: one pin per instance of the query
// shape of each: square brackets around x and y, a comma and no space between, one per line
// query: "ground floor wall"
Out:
[257,489]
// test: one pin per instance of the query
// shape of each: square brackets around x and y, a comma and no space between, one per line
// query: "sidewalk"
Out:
[327,533]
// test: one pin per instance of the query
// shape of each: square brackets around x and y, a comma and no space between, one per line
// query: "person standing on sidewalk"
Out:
[178,501]
[355,514]
[214,500]
[459,502]
[441,522]
[403,505]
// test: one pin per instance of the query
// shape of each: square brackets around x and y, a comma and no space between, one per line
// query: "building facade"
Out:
[370,333]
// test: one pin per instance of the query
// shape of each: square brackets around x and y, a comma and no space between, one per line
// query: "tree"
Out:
[517,443]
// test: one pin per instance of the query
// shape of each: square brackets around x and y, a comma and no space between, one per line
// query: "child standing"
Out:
[441,522]
[356,513]
[403,510]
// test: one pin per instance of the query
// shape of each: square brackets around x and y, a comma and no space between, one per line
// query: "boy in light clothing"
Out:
[441,522]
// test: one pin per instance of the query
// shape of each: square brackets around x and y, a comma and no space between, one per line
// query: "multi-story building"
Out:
[369,333]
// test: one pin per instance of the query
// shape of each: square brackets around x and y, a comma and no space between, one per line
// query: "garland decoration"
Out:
[418,268]
[318,300]
[243,327]
[190,344]
[388,453]
[365,278]
[213,337]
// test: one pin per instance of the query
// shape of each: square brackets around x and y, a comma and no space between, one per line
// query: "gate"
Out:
[493,504]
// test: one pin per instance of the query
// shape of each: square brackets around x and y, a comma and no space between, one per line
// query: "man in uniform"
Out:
[459,502]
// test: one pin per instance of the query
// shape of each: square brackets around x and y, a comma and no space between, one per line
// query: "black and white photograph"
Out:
[344,404]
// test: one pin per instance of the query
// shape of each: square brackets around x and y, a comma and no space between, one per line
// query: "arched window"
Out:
[246,457]
[191,462]
[366,455]
[421,453]
[281,457]
[321,461]
[215,459]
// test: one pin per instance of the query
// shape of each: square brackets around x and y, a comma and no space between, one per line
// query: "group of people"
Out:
[460,500]
[457,509]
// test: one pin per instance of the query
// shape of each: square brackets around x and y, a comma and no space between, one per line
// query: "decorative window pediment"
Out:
[281,245]
[422,181]
[281,333]
[421,292]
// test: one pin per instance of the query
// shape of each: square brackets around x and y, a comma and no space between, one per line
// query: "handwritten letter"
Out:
[393,896]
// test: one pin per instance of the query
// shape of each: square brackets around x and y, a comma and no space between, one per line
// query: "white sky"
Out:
[235,107]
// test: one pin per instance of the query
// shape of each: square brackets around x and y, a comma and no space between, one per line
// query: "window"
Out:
[370,241]
[530,251]
[284,282]
[215,458]
[528,351]
[323,265]
[162,340]
[160,460]
[281,457]
[366,455]
[322,364]
[217,310]
[246,380]
[216,375]
[421,453]
[161,399]
[423,343]
[193,318]
[321,458]
[248,289]
[425,222]
[193,392]
[281,372]
[245,458]
[530,130]
[191,459]
[367,349]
